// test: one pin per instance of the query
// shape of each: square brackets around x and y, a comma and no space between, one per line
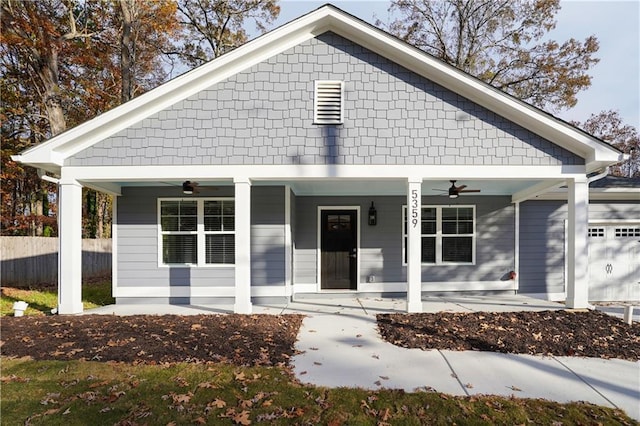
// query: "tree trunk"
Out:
[126,50]
[48,73]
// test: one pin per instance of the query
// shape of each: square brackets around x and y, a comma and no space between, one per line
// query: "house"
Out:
[328,156]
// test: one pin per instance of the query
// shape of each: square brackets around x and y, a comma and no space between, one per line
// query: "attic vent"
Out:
[328,107]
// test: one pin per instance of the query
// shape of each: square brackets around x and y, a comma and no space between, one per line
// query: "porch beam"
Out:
[242,246]
[70,247]
[414,246]
[577,247]
[535,190]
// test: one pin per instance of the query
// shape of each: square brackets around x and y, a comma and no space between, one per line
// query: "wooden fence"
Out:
[26,261]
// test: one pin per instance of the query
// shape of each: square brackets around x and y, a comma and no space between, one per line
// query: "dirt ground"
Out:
[564,333]
[270,340]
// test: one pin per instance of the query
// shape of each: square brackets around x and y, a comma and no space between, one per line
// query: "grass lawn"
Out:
[42,300]
[86,392]
[71,392]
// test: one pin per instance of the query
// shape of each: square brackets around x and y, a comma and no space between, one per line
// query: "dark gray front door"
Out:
[338,249]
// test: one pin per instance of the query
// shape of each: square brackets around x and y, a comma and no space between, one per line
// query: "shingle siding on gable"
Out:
[264,115]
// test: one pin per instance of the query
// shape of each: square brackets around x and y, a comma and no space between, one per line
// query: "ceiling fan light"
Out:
[187,187]
[453,195]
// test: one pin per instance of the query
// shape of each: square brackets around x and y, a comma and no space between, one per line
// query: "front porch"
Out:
[388,256]
[345,305]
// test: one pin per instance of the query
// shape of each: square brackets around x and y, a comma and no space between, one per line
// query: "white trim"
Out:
[319,243]
[516,249]
[401,287]
[553,297]
[242,218]
[318,171]
[114,246]
[414,244]
[149,292]
[270,291]
[288,242]
[305,288]
[70,247]
[614,222]
[577,252]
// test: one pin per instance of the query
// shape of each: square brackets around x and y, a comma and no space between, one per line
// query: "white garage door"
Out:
[614,262]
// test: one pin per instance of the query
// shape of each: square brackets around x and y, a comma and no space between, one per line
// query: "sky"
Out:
[616,24]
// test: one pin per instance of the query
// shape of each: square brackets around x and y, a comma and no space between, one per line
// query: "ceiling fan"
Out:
[455,191]
[189,187]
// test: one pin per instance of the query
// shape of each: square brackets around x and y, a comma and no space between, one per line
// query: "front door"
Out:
[338,249]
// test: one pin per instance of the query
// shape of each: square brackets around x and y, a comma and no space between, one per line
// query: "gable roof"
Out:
[50,155]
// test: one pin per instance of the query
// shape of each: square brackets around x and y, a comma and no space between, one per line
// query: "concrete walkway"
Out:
[340,346]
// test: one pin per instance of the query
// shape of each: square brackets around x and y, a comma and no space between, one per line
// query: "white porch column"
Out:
[414,245]
[70,247]
[578,249]
[243,246]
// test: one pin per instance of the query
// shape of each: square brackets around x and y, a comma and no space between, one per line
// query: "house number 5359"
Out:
[414,208]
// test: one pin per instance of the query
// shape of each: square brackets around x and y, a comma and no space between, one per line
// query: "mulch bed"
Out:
[246,340]
[268,340]
[564,333]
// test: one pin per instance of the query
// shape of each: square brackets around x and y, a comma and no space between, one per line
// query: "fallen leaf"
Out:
[218,403]
[241,418]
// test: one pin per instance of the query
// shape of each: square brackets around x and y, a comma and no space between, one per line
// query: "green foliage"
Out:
[69,393]
[42,300]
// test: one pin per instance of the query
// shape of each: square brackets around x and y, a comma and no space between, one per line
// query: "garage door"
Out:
[614,262]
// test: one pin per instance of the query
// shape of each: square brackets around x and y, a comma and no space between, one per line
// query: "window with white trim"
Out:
[447,234]
[197,232]
[328,105]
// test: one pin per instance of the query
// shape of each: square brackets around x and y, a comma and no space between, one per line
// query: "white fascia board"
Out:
[310,172]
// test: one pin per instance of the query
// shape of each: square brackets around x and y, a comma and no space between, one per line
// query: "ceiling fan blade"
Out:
[460,188]
[470,190]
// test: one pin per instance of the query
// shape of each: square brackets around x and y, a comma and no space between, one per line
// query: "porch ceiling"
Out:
[344,187]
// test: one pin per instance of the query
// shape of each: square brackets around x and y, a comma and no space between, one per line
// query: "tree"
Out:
[41,80]
[61,64]
[213,27]
[608,126]
[502,42]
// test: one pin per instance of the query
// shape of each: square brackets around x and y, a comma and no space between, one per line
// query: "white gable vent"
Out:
[328,107]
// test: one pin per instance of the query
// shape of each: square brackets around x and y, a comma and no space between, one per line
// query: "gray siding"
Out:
[381,245]
[138,241]
[542,240]
[542,246]
[264,115]
[138,244]
[267,236]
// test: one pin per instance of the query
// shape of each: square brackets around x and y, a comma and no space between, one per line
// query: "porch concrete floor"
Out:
[339,345]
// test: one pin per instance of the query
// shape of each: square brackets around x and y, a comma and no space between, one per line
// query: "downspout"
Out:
[598,176]
[42,175]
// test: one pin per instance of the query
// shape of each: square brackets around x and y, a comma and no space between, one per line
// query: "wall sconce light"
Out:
[187,187]
[373,215]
